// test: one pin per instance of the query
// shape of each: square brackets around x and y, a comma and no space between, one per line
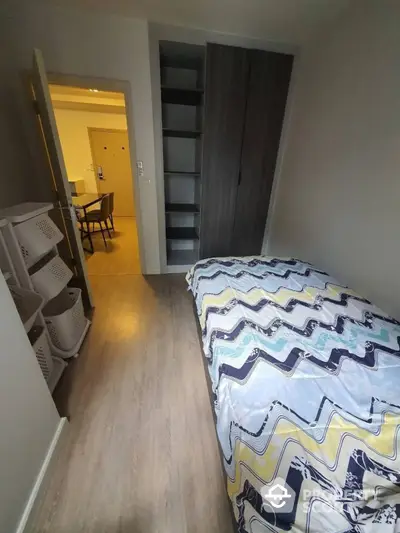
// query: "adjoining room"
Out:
[93,131]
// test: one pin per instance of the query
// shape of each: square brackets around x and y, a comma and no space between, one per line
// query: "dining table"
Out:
[82,202]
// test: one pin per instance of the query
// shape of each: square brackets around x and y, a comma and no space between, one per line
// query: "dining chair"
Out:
[98,216]
[111,217]
[111,194]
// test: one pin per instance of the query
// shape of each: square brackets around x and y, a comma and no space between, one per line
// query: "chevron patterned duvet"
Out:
[306,382]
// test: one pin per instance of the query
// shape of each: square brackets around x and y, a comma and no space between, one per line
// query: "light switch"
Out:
[139,165]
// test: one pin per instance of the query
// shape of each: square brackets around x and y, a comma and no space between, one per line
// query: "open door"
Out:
[67,217]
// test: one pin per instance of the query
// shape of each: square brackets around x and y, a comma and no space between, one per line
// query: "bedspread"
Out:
[306,384]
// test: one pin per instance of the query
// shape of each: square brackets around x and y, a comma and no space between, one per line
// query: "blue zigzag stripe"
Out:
[251,263]
[288,308]
[297,354]
[241,273]
[213,271]
[291,361]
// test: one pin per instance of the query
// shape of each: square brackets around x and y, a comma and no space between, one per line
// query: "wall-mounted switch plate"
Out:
[139,165]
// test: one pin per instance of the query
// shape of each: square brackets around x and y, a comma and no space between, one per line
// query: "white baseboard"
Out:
[43,478]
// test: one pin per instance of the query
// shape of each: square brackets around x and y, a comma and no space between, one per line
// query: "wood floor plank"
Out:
[121,256]
[141,455]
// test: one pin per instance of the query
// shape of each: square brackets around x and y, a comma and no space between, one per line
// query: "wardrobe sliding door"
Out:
[227,70]
[266,100]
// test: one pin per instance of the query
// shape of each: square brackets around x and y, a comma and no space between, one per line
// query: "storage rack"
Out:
[52,312]
[182,95]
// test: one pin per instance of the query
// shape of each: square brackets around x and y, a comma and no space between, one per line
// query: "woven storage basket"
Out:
[41,347]
[65,318]
[50,277]
[36,237]
[28,304]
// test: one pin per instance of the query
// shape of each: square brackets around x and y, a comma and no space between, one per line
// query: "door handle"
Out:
[100,174]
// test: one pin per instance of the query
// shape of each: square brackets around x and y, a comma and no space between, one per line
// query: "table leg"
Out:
[88,231]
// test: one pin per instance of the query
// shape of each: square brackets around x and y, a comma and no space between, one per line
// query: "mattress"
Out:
[306,386]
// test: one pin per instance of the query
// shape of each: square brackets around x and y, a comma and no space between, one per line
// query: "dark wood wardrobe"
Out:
[245,99]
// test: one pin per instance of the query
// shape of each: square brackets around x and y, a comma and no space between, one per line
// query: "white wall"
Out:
[338,197]
[73,127]
[82,43]
[15,167]
[28,417]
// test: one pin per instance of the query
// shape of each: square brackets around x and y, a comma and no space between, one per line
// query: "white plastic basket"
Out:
[28,304]
[50,277]
[65,318]
[41,347]
[36,237]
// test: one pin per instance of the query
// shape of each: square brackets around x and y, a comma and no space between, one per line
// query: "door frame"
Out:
[121,86]
[71,248]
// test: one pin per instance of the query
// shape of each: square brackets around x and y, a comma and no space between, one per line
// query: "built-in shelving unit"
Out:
[185,233]
[182,97]
[180,173]
[182,257]
[188,134]
[181,208]
[176,95]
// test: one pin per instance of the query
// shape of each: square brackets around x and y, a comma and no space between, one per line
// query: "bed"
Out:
[305,382]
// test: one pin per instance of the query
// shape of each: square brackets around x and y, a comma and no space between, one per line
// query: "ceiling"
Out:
[284,21]
[75,93]
[76,98]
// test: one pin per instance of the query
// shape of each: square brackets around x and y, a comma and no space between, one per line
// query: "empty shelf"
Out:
[182,257]
[174,95]
[181,208]
[181,173]
[181,61]
[188,134]
[182,233]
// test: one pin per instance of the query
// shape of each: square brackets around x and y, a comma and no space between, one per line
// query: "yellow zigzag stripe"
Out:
[264,466]
[282,296]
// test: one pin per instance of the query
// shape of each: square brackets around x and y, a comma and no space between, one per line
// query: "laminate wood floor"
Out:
[141,454]
[122,253]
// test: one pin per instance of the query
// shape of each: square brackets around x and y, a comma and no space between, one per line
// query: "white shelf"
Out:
[58,369]
[15,268]
[21,212]
[74,351]
[182,257]
[178,269]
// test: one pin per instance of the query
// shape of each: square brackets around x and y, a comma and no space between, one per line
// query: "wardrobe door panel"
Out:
[266,101]
[225,101]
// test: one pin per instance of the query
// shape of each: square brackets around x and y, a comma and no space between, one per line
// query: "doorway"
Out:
[92,126]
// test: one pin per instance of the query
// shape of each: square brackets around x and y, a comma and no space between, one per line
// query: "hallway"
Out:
[141,455]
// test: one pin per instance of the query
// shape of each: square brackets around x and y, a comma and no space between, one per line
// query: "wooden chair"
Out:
[97,216]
